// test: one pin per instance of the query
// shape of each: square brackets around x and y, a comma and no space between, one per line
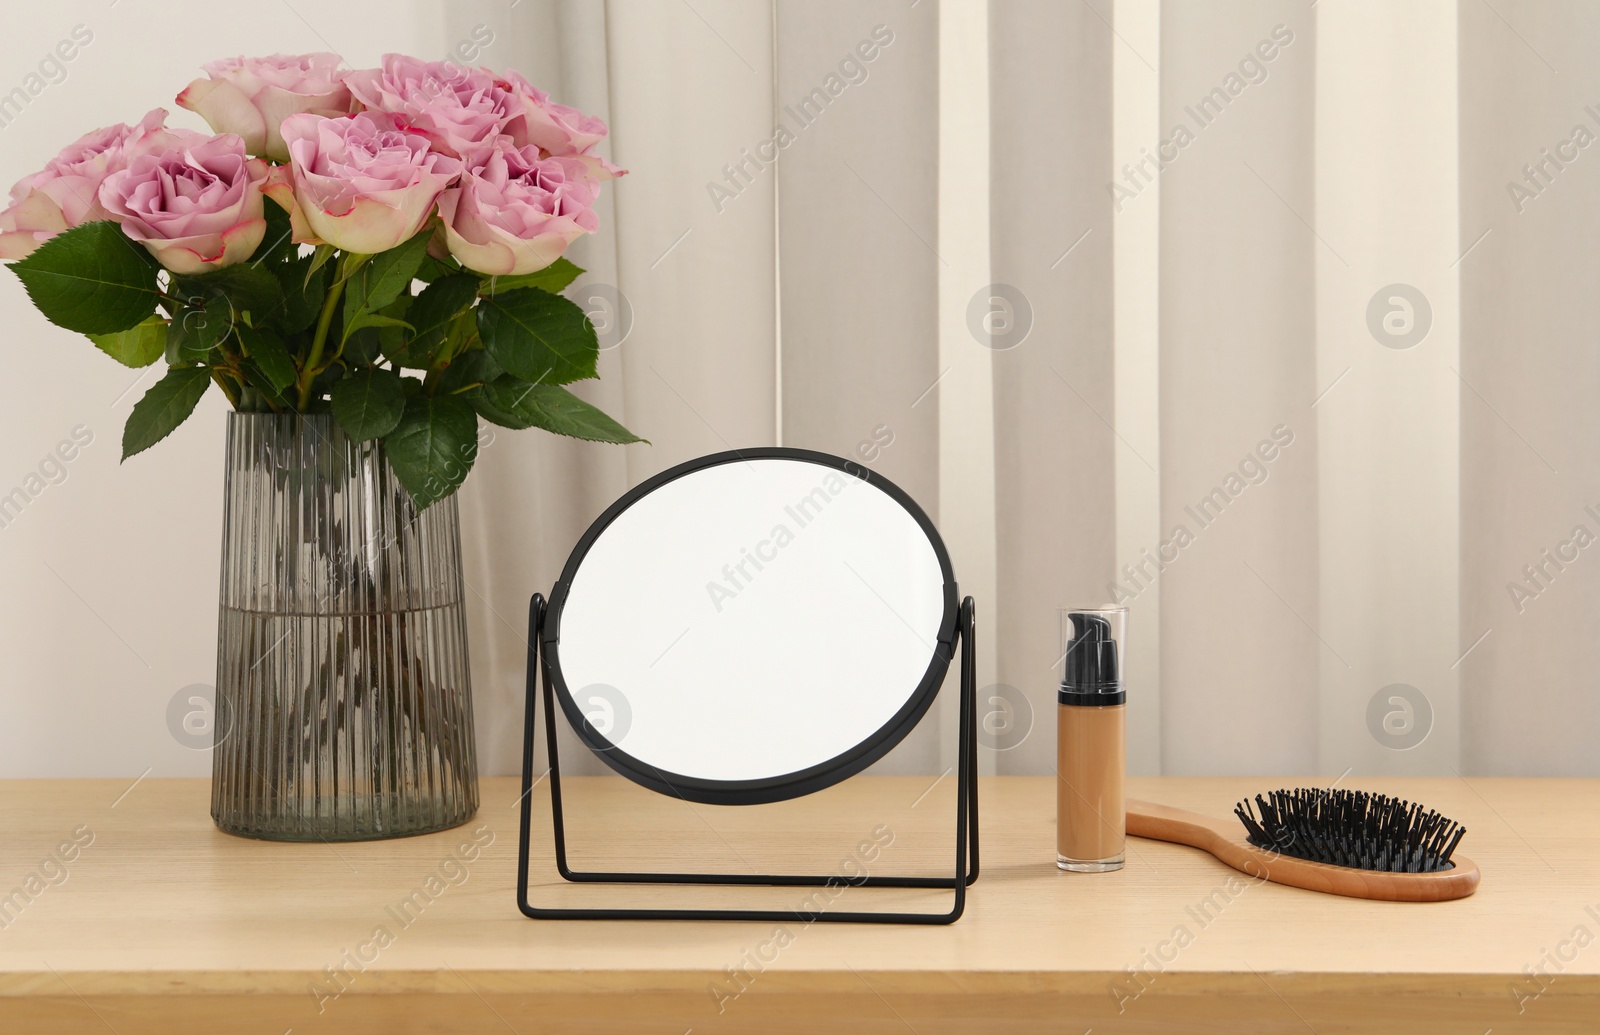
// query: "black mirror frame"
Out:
[788,785]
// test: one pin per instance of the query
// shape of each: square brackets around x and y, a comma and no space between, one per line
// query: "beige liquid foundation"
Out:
[1091,751]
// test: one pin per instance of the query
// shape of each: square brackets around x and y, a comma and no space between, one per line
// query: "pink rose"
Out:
[252,96]
[555,129]
[152,139]
[536,119]
[196,206]
[458,109]
[29,221]
[362,182]
[517,212]
[65,193]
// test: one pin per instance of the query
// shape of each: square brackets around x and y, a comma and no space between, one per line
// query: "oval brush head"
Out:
[1352,828]
[1338,842]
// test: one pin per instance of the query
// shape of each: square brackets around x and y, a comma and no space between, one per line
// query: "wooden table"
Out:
[151,921]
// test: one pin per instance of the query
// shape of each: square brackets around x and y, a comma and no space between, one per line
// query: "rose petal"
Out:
[279,186]
[187,256]
[368,226]
[19,244]
[227,110]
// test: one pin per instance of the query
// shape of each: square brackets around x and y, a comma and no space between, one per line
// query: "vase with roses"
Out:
[365,263]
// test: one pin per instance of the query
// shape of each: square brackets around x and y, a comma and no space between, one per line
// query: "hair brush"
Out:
[1336,841]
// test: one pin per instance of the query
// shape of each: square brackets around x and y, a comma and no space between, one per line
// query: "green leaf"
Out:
[194,333]
[552,408]
[432,269]
[302,295]
[260,385]
[479,400]
[319,258]
[365,347]
[277,244]
[433,447]
[250,288]
[373,338]
[270,354]
[368,403]
[554,278]
[389,274]
[462,333]
[138,346]
[473,367]
[364,320]
[167,404]
[91,279]
[383,278]
[538,336]
[430,315]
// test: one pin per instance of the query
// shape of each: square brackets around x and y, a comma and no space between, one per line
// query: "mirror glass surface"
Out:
[760,627]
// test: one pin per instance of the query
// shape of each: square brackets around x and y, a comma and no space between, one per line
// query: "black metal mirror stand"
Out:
[966,868]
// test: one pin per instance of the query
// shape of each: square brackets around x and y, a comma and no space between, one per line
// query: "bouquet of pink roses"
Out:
[158,242]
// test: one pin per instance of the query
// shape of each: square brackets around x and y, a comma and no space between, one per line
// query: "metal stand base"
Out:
[966,868]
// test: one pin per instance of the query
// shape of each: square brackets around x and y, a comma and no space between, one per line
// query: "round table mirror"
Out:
[752,626]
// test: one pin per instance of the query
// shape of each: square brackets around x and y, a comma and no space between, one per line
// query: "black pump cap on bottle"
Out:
[1092,673]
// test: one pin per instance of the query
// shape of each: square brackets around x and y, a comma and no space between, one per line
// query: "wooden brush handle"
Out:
[1225,839]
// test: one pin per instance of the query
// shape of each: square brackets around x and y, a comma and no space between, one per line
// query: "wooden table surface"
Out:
[129,912]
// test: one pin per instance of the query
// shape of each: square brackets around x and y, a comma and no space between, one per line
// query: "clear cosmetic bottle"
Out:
[1091,738]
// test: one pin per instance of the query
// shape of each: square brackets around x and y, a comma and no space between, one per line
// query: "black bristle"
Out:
[1351,828]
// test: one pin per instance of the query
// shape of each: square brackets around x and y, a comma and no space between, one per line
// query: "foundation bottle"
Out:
[1091,752]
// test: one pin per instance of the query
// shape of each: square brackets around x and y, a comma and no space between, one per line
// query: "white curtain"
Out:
[1352,372]
[1298,380]
[1530,472]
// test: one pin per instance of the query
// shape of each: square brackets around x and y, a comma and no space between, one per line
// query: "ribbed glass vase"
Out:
[344,710]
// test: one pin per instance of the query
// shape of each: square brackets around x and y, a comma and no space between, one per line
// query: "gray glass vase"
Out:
[344,709]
